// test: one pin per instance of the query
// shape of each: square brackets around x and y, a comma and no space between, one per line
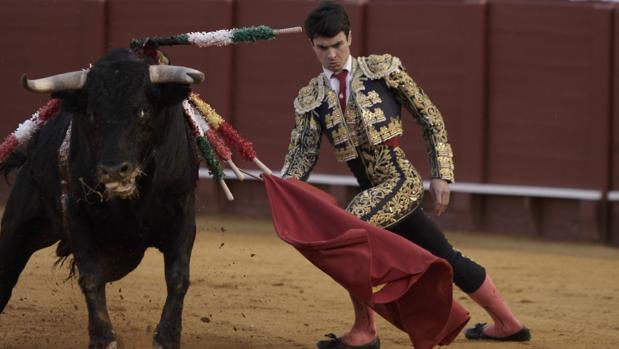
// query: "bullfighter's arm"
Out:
[304,147]
[429,117]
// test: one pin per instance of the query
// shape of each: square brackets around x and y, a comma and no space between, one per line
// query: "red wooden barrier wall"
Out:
[526,88]
[549,93]
[442,47]
[548,114]
[38,40]
[613,212]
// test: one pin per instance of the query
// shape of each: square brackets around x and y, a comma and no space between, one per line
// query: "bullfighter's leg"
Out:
[92,283]
[177,256]
[25,230]
[363,330]
[469,276]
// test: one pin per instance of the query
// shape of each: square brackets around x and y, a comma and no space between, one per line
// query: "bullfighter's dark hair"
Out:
[327,20]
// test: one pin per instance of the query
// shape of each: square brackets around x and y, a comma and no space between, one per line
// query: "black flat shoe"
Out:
[477,333]
[336,343]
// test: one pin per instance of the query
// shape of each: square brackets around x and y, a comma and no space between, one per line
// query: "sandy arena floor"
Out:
[251,290]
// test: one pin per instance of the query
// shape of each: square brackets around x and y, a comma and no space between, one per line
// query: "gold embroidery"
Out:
[332,119]
[429,117]
[446,173]
[304,147]
[443,149]
[356,84]
[360,125]
[345,153]
[378,66]
[369,100]
[397,189]
[373,116]
[339,135]
[392,129]
[332,100]
[356,129]
[310,97]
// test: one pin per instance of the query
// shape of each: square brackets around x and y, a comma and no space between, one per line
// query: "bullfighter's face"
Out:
[332,52]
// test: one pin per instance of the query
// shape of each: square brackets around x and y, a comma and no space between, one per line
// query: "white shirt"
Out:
[335,84]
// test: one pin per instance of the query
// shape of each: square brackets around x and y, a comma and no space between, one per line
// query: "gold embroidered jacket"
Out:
[380,85]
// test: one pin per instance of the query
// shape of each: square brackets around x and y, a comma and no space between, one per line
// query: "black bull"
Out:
[130,184]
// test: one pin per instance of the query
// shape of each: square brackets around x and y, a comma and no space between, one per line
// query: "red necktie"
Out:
[341,77]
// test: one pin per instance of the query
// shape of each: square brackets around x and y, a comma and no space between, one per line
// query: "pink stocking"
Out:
[505,323]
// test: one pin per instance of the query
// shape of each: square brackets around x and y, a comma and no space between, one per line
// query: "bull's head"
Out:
[122,109]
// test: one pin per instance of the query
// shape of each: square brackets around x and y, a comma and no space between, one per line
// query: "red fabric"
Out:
[416,294]
[393,142]
[341,77]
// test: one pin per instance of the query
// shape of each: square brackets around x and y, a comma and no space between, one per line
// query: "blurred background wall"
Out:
[527,89]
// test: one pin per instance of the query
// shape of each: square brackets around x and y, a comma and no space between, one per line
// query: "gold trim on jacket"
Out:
[379,84]
[396,191]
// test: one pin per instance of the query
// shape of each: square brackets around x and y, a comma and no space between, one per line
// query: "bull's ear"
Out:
[171,94]
[72,100]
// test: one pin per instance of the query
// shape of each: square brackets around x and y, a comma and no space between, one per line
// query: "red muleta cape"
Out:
[414,287]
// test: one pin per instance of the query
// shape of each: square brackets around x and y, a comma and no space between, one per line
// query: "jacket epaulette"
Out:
[379,66]
[310,97]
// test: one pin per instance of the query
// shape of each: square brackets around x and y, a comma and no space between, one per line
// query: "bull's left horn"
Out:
[60,82]
[175,74]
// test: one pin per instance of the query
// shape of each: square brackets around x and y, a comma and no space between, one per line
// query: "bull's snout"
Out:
[119,179]
[115,172]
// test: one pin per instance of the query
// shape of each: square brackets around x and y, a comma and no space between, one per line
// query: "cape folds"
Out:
[405,284]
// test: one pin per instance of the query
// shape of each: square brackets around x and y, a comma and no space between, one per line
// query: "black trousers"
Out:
[420,229]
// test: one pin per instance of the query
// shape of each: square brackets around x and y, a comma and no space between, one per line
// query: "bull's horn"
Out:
[173,73]
[66,81]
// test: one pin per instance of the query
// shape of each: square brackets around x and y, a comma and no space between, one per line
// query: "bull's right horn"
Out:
[175,74]
[61,82]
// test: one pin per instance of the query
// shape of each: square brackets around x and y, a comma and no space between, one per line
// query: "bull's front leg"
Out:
[99,324]
[92,283]
[177,256]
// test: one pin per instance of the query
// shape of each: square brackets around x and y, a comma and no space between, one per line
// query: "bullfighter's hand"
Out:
[440,192]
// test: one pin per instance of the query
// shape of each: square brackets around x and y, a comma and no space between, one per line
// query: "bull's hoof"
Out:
[111,345]
[163,340]
[157,345]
